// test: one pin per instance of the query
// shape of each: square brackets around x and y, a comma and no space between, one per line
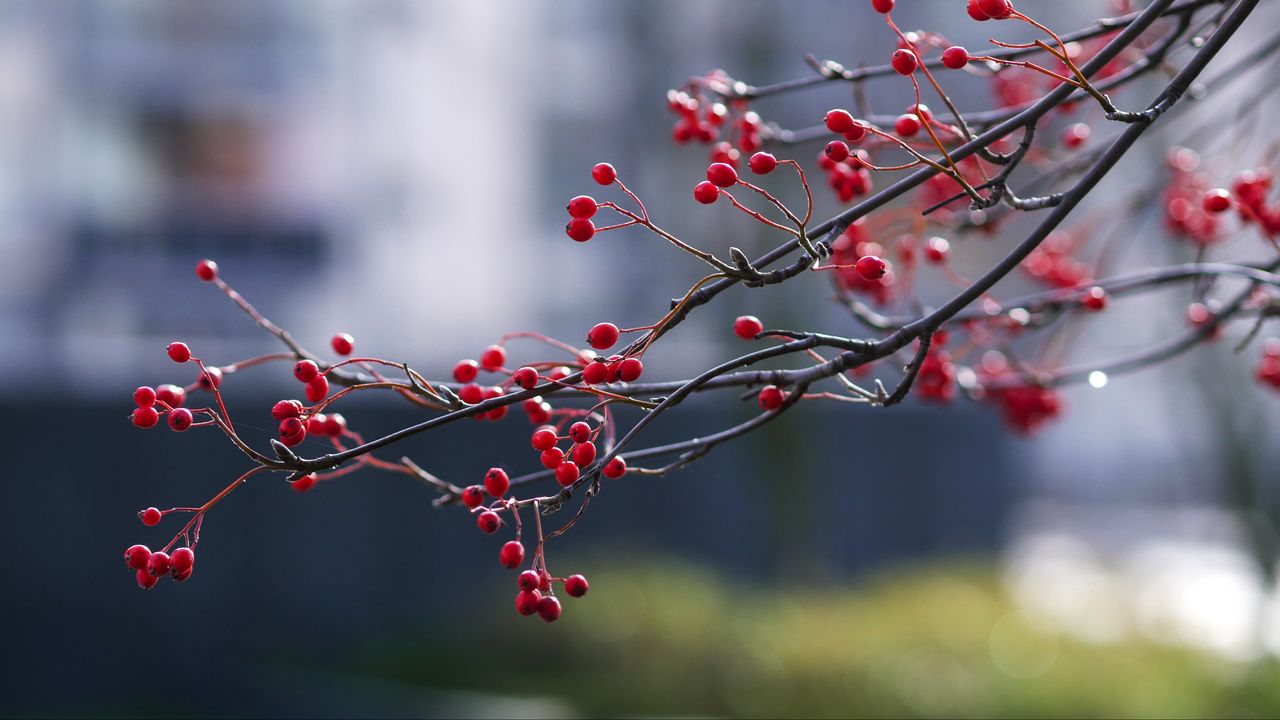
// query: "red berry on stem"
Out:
[178,352]
[955,57]
[135,558]
[146,580]
[496,482]
[150,517]
[305,371]
[286,409]
[604,173]
[525,377]
[528,580]
[527,601]
[145,417]
[747,327]
[180,419]
[706,192]
[904,61]
[580,432]
[770,397]
[471,393]
[603,336]
[838,121]
[158,564]
[545,438]
[575,586]
[580,229]
[207,270]
[552,457]
[582,206]
[762,163]
[871,267]
[171,395]
[318,388]
[343,344]
[144,397]
[837,150]
[549,609]
[996,9]
[567,474]
[209,378]
[615,468]
[906,125]
[182,560]
[511,555]
[630,370]
[466,370]
[1215,201]
[472,497]
[493,358]
[488,522]
[584,454]
[882,6]
[722,175]
[595,373]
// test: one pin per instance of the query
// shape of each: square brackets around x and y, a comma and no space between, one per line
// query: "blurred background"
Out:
[398,170]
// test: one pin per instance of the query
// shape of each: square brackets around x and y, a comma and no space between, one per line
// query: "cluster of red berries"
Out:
[1054,264]
[1024,408]
[582,208]
[1191,208]
[308,373]
[535,597]
[848,173]
[858,265]
[936,381]
[295,425]
[703,120]
[170,399]
[149,566]
[982,10]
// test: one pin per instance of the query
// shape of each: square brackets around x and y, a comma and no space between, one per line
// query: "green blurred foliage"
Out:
[669,639]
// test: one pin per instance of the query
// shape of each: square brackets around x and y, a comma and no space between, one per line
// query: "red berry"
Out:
[839,121]
[580,229]
[549,609]
[584,454]
[305,371]
[493,358]
[856,133]
[996,9]
[615,468]
[904,61]
[882,6]
[629,370]
[209,378]
[178,352]
[706,192]
[936,249]
[770,397]
[316,425]
[552,457]
[906,125]
[955,57]
[145,417]
[304,483]
[545,438]
[317,388]
[171,395]
[1094,299]
[747,327]
[291,427]
[471,393]
[286,409]
[472,497]
[575,585]
[135,558]
[343,344]
[603,336]
[488,522]
[207,270]
[144,397]
[580,432]
[496,482]
[1075,135]
[146,580]
[837,150]
[150,517]
[722,175]
[466,370]
[182,560]
[528,580]
[182,576]
[511,555]
[762,163]
[604,173]
[158,564]
[870,267]
[1215,201]
[595,373]
[180,419]
[567,474]
[582,206]
[525,377]
[527,601]
[975,12]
